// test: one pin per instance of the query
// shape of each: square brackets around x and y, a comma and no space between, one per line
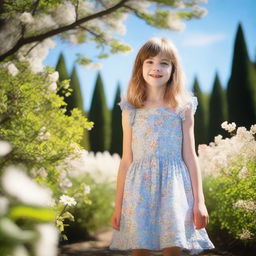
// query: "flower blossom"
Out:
[67,200]
[5,148]
[16,183]
[26,18]
[228,127]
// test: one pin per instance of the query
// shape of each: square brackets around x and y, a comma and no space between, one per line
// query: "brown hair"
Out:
[175,92]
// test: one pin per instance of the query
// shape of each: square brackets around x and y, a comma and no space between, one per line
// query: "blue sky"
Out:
[205,47]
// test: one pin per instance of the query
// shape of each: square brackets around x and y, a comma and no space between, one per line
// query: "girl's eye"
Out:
[149,61]
[164,63]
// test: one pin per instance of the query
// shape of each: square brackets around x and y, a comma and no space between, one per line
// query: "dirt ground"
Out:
[100,247]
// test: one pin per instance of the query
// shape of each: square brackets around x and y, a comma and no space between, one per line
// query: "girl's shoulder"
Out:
[191,103]
[124,105]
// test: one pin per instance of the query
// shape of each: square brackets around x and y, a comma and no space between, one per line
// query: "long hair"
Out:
[175,93]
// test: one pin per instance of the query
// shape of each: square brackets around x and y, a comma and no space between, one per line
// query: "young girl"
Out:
[159,199]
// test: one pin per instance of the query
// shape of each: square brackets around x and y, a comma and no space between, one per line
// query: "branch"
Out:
[35,5]
[23,41]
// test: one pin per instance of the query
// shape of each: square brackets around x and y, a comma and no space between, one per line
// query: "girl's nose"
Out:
[156,67]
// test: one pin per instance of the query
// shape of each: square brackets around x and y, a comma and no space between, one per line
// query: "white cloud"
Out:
[203,39]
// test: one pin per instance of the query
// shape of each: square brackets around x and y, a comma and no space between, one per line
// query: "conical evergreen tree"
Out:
[200,117]
[217,110]
[75,100]
[99,114]
[63,73]
[116,125]
[241,89]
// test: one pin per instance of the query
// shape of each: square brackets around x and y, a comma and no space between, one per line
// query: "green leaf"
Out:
[11,232]
[27,212]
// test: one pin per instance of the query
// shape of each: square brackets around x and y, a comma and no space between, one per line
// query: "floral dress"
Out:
[157,206]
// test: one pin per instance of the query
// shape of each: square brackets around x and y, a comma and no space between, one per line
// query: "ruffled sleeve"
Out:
[124,105]
[193,103]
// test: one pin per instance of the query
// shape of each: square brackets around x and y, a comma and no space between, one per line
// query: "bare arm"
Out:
[201,218]
[125,161]
[190,157]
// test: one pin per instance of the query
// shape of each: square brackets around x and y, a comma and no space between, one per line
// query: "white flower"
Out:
[4,203]
[67,200]
[47,244]
[217,139]
[246,234]
[5,148]
[44,135]
[87,189]
[228,127]
[11,68]
[101,166]
[243,173]
[41,23]
[175,22]
[26,18]
[65,183]
[17,184]
[10,34]
[65,14]
[42,172]
[53,77]
[246,205]
[253,129]
[52,87]
[36,56]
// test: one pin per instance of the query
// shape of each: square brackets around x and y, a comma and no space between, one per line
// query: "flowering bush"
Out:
[229,170]
[35,137]
[94,174]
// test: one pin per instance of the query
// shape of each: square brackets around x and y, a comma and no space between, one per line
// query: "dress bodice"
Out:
[157,130]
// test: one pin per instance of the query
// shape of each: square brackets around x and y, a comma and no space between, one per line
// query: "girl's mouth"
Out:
[155,76]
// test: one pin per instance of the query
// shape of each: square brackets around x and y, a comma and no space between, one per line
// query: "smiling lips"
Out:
[155,76]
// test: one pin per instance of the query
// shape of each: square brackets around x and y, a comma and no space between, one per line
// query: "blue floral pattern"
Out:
[157,207]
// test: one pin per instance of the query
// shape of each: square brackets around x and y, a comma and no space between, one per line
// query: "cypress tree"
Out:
[241,89]
[200,116]
[63,73]
[75,100]
[99,114]
[217,110]
[116,125]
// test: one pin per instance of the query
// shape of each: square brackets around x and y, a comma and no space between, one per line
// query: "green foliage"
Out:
[223,192]
[99,114]
[200,116]
[116,126]
[90,217]
[241,85]
[217,112]
[33,122]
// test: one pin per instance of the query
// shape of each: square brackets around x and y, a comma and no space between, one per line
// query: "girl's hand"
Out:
[115,219]
[201,218]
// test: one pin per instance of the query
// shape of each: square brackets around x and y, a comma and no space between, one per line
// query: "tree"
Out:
[241,89]
[217,110]
[99,115]
[200,116]
[62,68]
[31,22]
[116,125]
[75,100]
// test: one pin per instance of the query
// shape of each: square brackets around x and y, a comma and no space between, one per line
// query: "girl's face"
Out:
[157,70]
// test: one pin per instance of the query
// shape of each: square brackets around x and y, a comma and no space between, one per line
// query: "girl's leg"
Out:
[140,252]
[172,251]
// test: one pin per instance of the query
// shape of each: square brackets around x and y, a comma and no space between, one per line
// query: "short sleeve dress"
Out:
[157,206]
